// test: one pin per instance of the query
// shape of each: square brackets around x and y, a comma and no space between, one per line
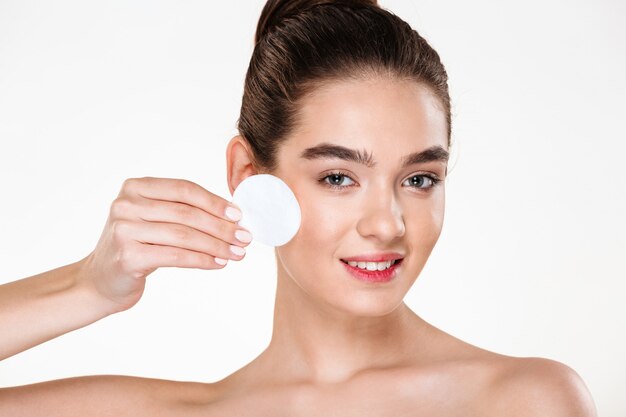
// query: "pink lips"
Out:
[372,276]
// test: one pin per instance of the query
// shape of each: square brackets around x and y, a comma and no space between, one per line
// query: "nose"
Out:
[381,217]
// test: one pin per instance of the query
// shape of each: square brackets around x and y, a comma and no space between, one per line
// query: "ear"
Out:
[239,162]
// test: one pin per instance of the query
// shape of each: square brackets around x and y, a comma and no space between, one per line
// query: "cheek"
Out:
[424,224]
[438,212]
[313,248]
[324,225]
[322,222]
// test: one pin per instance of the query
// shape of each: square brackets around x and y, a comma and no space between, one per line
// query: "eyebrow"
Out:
[329,150]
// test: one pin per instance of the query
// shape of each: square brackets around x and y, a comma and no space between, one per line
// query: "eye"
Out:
[336,180]
[417,181]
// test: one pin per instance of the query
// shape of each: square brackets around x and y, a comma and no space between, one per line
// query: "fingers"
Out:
[177,236]
[177,190]
[151,257]
[180,213]
[173,222]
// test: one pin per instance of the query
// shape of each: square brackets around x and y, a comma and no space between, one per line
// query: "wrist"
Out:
[85,285]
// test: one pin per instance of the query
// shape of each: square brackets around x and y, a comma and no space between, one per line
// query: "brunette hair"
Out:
[301,44]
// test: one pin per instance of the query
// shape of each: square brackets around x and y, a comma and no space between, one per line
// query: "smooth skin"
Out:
[339,346]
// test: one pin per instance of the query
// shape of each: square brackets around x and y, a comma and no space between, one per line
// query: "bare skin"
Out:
[340,346]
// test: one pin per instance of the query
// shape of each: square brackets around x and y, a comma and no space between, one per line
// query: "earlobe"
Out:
[239,162]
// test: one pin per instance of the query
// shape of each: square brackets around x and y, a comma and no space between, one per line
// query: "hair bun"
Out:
[276,10]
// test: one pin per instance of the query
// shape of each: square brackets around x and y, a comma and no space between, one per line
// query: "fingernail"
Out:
[237,250]
[233,213]
[221,261]
[243,236]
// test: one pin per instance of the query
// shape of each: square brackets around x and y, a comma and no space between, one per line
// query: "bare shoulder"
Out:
[102,395]
[528,387]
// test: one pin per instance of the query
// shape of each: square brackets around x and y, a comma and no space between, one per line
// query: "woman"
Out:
[350,107]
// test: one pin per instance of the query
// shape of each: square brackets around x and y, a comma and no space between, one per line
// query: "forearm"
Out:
[44,306]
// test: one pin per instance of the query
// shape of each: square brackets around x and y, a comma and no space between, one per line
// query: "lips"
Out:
[376,267]
[373,276]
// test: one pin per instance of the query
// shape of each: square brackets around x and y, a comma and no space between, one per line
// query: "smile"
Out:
[372,266]
[373,272]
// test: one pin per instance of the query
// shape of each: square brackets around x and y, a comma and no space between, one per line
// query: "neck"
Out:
[315,342]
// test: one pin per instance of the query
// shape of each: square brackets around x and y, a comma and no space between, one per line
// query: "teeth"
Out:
[372,266]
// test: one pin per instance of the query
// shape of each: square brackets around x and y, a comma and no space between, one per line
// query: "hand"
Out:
[157,222]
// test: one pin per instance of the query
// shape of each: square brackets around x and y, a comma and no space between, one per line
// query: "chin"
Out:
[356,298]
[367,305]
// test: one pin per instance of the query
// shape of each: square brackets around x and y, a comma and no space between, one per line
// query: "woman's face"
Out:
[352,208]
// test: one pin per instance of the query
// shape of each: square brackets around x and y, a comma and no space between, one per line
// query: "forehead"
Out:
[369,114]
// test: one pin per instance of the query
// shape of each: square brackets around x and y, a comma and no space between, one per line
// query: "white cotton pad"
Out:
[269,209]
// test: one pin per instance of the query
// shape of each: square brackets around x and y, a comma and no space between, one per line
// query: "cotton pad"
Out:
[269,209]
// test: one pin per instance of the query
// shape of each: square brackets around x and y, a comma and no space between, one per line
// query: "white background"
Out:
[531,258]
